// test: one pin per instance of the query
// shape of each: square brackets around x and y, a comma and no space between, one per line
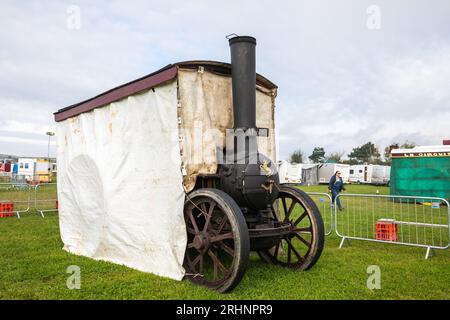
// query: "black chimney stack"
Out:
[243,71]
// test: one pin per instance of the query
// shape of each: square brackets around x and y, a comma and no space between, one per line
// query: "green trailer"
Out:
[421,171]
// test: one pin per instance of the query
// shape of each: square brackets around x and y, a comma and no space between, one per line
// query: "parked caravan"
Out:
[327,170]
[33,169]
[310,174]
[289,172]
[294,173]
[381,175]
[369,174]
[359,174]
[27,167]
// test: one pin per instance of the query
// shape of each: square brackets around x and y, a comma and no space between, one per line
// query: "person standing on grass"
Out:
[335,186]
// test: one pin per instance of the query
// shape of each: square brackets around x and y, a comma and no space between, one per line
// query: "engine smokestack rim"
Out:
[247,39]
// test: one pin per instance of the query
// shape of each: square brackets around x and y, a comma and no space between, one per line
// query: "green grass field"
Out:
[33,266]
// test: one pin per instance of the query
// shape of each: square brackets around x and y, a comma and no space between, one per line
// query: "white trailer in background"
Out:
[289,172]
[360,173]
[327,170]
[370,174]
[381,175]
[27,167]
[34,169]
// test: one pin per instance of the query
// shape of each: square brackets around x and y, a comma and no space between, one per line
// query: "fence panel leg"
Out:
[342,242]
[430,253]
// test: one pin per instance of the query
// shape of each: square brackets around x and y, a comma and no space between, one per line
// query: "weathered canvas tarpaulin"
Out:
[124,167]
[206,113]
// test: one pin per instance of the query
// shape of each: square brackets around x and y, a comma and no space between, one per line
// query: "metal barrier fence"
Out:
[45,198]
[20,198]
[406,220]
[323,202]
[14,199]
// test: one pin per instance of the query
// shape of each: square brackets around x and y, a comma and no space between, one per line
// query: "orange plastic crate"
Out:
[6,209]
[386,230]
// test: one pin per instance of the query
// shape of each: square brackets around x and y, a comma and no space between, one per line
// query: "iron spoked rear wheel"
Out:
[302,247]
[218,241]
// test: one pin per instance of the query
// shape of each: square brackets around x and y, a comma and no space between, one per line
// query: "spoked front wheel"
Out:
[218,243]
[302,247]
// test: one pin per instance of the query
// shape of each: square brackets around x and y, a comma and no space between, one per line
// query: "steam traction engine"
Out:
[242,207]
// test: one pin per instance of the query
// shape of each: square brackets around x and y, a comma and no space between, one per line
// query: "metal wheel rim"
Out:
[205,218]
[287,245]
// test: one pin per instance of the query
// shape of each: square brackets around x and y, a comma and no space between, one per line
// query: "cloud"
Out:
[340,84]
[401,97]
[25,141]
[24,127]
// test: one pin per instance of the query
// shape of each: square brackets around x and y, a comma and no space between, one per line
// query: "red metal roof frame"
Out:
[118,93]
[152,80]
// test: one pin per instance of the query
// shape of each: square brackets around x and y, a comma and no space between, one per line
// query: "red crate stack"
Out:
[6,209]
[386,230]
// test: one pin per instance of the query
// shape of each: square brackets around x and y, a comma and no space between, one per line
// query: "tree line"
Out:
[367,153]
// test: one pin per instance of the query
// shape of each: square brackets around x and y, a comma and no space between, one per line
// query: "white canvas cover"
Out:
[119,183]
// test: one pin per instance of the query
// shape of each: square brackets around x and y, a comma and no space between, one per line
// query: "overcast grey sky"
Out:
[345,77]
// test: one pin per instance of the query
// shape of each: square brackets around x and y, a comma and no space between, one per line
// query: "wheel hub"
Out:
[201,241]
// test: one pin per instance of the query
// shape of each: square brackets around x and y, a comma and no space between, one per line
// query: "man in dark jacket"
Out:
[335,186]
